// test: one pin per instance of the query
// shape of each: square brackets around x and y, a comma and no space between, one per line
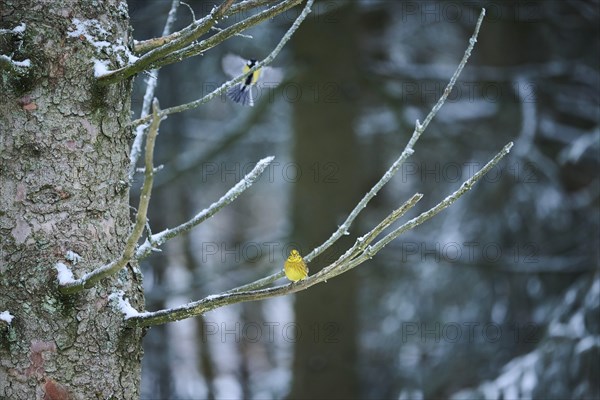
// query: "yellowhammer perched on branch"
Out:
[295,267]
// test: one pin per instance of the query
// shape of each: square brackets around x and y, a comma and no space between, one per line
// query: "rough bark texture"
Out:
[63,161]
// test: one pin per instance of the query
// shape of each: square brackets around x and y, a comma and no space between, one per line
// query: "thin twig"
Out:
[194,157]
[151,83]
[144,46]
[91,278]
[359,245]
[160,238]
[370,251]
[447,202]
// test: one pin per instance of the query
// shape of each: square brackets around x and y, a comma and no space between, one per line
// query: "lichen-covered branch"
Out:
[144,46]
[180,45]
[197,48]
[67,285]
[185,37]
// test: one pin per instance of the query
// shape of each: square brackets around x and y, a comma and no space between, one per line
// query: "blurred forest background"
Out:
[496,297]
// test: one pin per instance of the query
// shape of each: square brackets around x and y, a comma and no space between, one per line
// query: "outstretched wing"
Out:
[270,76]
[233,65]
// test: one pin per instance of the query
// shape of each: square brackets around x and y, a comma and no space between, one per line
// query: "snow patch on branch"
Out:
[17,30]
[100,67]
[92,31]
[73,257]
[123,304]
[8,59]
[20,28]
[16,64]
[6,317]
[65,276]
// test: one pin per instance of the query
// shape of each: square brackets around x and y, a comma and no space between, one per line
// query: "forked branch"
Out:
[356,255]
[362,250]
[395,167]
[221,89]
[170,49]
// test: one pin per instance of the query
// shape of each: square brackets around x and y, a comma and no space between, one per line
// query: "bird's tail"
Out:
[242,94]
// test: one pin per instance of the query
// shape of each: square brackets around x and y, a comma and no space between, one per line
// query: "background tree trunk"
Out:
[64,154]
[326,150]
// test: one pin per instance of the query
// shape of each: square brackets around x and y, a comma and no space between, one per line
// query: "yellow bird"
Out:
[295,268]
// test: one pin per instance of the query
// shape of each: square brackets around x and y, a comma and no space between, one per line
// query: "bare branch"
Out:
[70,286]
[184,38]
[343,264]
[448,201]
[407,152]
[194,157]
[359,246]
[421,127]
[361,251]
[151,83]
[160,238]
[144,46]
[228,84]
[221,36]
[370,251]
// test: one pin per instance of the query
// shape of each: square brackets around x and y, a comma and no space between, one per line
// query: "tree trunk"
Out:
[64,146]
[327,153]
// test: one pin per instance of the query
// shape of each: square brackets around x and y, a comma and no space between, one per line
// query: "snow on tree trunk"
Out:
[64,198]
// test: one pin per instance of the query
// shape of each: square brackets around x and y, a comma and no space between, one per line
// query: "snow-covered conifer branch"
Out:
[156,240]
[407,152]
[67,285]
[217,92]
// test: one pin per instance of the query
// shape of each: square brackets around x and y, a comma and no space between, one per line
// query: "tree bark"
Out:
[64,146]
